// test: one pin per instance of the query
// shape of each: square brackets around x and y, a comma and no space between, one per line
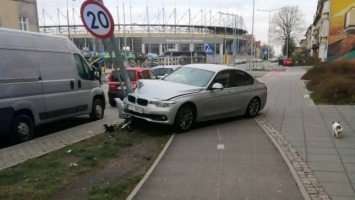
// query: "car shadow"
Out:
[160,129]
[50,128]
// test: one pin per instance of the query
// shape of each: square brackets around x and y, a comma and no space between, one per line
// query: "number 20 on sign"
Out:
[97,19]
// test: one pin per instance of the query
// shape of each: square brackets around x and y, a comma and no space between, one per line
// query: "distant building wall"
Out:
[341,42]
[20,15]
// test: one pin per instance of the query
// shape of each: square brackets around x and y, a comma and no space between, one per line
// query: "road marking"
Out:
[219,136]
[220,146]
[140,184]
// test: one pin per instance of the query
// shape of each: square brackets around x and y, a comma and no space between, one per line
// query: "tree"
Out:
[290,47]
[287,26]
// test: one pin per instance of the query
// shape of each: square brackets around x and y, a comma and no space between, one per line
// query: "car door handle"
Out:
[79,83]
[72,84]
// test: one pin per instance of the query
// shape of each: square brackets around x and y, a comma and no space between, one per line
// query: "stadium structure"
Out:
[214,37]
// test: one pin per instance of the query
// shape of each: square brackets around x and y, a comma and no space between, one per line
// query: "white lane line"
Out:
[220,146]
[140,184]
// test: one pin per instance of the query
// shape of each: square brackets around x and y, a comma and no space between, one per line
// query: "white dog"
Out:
[337,129]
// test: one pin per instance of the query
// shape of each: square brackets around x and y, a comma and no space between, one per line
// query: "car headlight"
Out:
[162,104]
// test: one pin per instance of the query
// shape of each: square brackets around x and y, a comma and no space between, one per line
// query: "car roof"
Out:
[210,67]
[167,66]
[136,68]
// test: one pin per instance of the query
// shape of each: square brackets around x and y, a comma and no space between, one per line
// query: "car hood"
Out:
[164,90]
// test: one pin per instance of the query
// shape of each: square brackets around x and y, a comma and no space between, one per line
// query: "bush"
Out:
[332,83]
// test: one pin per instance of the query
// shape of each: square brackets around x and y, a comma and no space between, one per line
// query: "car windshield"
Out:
[162,71]
[190,76]
[131,74]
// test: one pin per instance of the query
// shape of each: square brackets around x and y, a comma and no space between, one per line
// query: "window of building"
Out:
[24,23]
[168,47]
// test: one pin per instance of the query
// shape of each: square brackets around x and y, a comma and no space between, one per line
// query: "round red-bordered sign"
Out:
[97,19]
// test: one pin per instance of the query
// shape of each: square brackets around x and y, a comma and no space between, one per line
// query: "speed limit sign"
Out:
[97,19]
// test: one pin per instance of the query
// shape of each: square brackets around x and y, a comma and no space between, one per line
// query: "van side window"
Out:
[83,68]
[242,79]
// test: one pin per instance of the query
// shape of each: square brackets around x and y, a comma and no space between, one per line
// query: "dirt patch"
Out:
[132,161]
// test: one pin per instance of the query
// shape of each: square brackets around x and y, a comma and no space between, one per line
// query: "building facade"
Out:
[332,34]
[19,14]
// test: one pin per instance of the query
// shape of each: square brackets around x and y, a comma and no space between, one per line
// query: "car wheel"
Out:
[253,108]
[112,102]
[184,118]
[97,110]
[22,128]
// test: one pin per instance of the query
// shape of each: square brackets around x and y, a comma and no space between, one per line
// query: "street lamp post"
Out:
[252,33]
[234,16]
[268,43]
[68,19]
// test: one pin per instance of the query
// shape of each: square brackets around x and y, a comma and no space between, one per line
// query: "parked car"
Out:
[134,73]
[288,62]
[238,61]
[273,59]
[44,78]
[163,70]
[194,93]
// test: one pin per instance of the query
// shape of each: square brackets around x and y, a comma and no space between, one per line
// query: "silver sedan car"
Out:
[195,93]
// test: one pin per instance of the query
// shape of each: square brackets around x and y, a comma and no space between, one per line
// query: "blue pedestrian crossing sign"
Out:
[265,52]
[209,49]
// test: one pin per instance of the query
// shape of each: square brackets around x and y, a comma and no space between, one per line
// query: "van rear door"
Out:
[20,78]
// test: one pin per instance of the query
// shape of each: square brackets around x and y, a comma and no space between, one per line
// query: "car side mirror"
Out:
[217,86]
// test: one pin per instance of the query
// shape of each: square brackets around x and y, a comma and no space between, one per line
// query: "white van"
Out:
[43,78]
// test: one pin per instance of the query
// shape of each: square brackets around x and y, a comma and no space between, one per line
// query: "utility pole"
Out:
[252,36]
[286,45]
[268,46]
[68,19]
[234,27]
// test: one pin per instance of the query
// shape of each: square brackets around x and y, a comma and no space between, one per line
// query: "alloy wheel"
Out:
[253,107]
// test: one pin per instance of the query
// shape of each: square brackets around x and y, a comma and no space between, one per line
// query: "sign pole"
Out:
[119,61]
[103,29]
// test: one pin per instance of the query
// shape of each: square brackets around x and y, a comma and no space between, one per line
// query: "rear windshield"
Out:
[162,71]
[131,74]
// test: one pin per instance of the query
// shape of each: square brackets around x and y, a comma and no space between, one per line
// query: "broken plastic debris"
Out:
[73,164]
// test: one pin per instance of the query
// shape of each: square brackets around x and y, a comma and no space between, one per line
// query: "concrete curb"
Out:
[151,169]
[307,99]
[308,184]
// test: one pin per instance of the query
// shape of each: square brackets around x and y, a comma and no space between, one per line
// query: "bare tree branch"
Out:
[287,23]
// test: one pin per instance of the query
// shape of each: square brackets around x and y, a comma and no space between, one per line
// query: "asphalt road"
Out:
[230,159]
[227,159]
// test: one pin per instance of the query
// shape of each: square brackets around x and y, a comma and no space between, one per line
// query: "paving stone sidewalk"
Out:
[308,128]
[16,154]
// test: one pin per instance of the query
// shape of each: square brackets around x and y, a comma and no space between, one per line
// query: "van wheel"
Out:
[22,128]
[112,102]
[185,118]
[97,110]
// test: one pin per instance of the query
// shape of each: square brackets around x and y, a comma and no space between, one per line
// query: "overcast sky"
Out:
[243,8]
